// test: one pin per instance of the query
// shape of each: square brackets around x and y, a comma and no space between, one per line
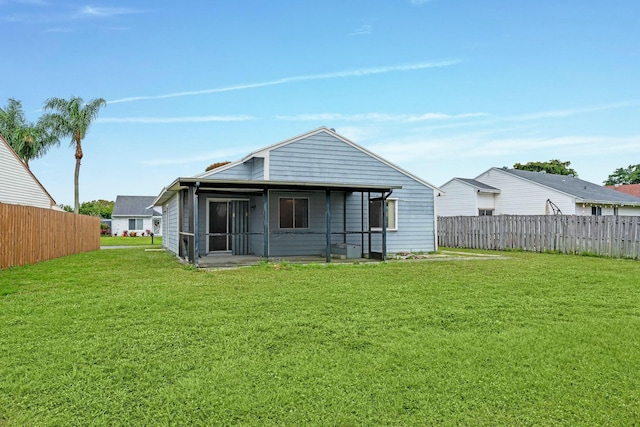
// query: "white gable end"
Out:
[17,184]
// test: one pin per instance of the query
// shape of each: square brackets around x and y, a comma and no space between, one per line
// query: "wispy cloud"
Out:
[419,2]
[480,145]
[335,75]
[160,120]
[362,30]
[66,14]
[380,117]
[197,159]
[106,12]
[573,112]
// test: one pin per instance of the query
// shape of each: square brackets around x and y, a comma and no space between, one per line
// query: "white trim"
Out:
[395,202]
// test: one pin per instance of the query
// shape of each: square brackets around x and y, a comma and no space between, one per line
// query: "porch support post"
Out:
[384,226]
[369,226]
[362,224]
[328,203]
[265,226]
[196,252]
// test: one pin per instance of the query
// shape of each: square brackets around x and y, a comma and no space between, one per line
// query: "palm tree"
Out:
[34,141]
[29,141]
[11,120]
[72,118]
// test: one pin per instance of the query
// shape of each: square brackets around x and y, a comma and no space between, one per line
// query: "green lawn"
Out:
[131,337]
[130,241]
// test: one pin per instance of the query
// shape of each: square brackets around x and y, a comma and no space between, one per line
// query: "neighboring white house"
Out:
[506,191]
[18,185]
[134,213]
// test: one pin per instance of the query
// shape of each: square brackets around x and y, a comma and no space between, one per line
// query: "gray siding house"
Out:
[315,194]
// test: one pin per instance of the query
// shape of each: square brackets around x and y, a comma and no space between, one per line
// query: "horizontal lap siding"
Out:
[324,158]
[17,186]
[258,169]
[459,199]
[521,197]
[241,171]
[170,225]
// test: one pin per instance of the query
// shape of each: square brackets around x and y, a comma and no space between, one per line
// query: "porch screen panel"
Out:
[218,224]
[240,226]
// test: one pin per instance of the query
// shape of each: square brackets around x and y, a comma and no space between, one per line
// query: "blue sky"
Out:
[442,88]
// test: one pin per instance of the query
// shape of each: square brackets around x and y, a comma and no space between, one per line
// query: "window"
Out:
[596,210]
[485,212]
[135,224]
[294,213]
[375,214]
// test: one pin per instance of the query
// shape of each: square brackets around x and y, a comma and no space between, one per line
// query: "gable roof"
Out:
[264,152]
[583,191]
[134,206]
[10,156]
[480,186]
[633,189]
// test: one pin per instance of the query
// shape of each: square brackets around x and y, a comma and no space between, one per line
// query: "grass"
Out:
[130,241]
[135,338]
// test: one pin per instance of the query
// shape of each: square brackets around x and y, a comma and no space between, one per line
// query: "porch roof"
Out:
[256,185]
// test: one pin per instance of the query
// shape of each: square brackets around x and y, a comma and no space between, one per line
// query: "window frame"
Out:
[395,214]
[293,213]
[596,210]
[136,223]
[487,212]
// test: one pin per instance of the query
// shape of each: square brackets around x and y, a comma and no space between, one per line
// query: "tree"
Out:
[101,208]
[72,118]
[216,165]
[628,175]
[28,140]
[552,166]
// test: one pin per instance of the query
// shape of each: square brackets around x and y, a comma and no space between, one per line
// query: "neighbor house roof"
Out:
[632,189]
[134,206]
[480,186]
[583,191]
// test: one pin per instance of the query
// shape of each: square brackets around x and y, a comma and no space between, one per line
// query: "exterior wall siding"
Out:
[459,199]
[240,171]
[17,185]
[486,201]
[258,169]
[170,224]
[629,211]
[521,197]
[324,158]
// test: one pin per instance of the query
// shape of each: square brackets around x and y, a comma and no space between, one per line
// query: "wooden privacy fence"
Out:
[614,236]
[29,235]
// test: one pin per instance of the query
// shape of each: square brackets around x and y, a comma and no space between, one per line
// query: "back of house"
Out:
[285,199]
